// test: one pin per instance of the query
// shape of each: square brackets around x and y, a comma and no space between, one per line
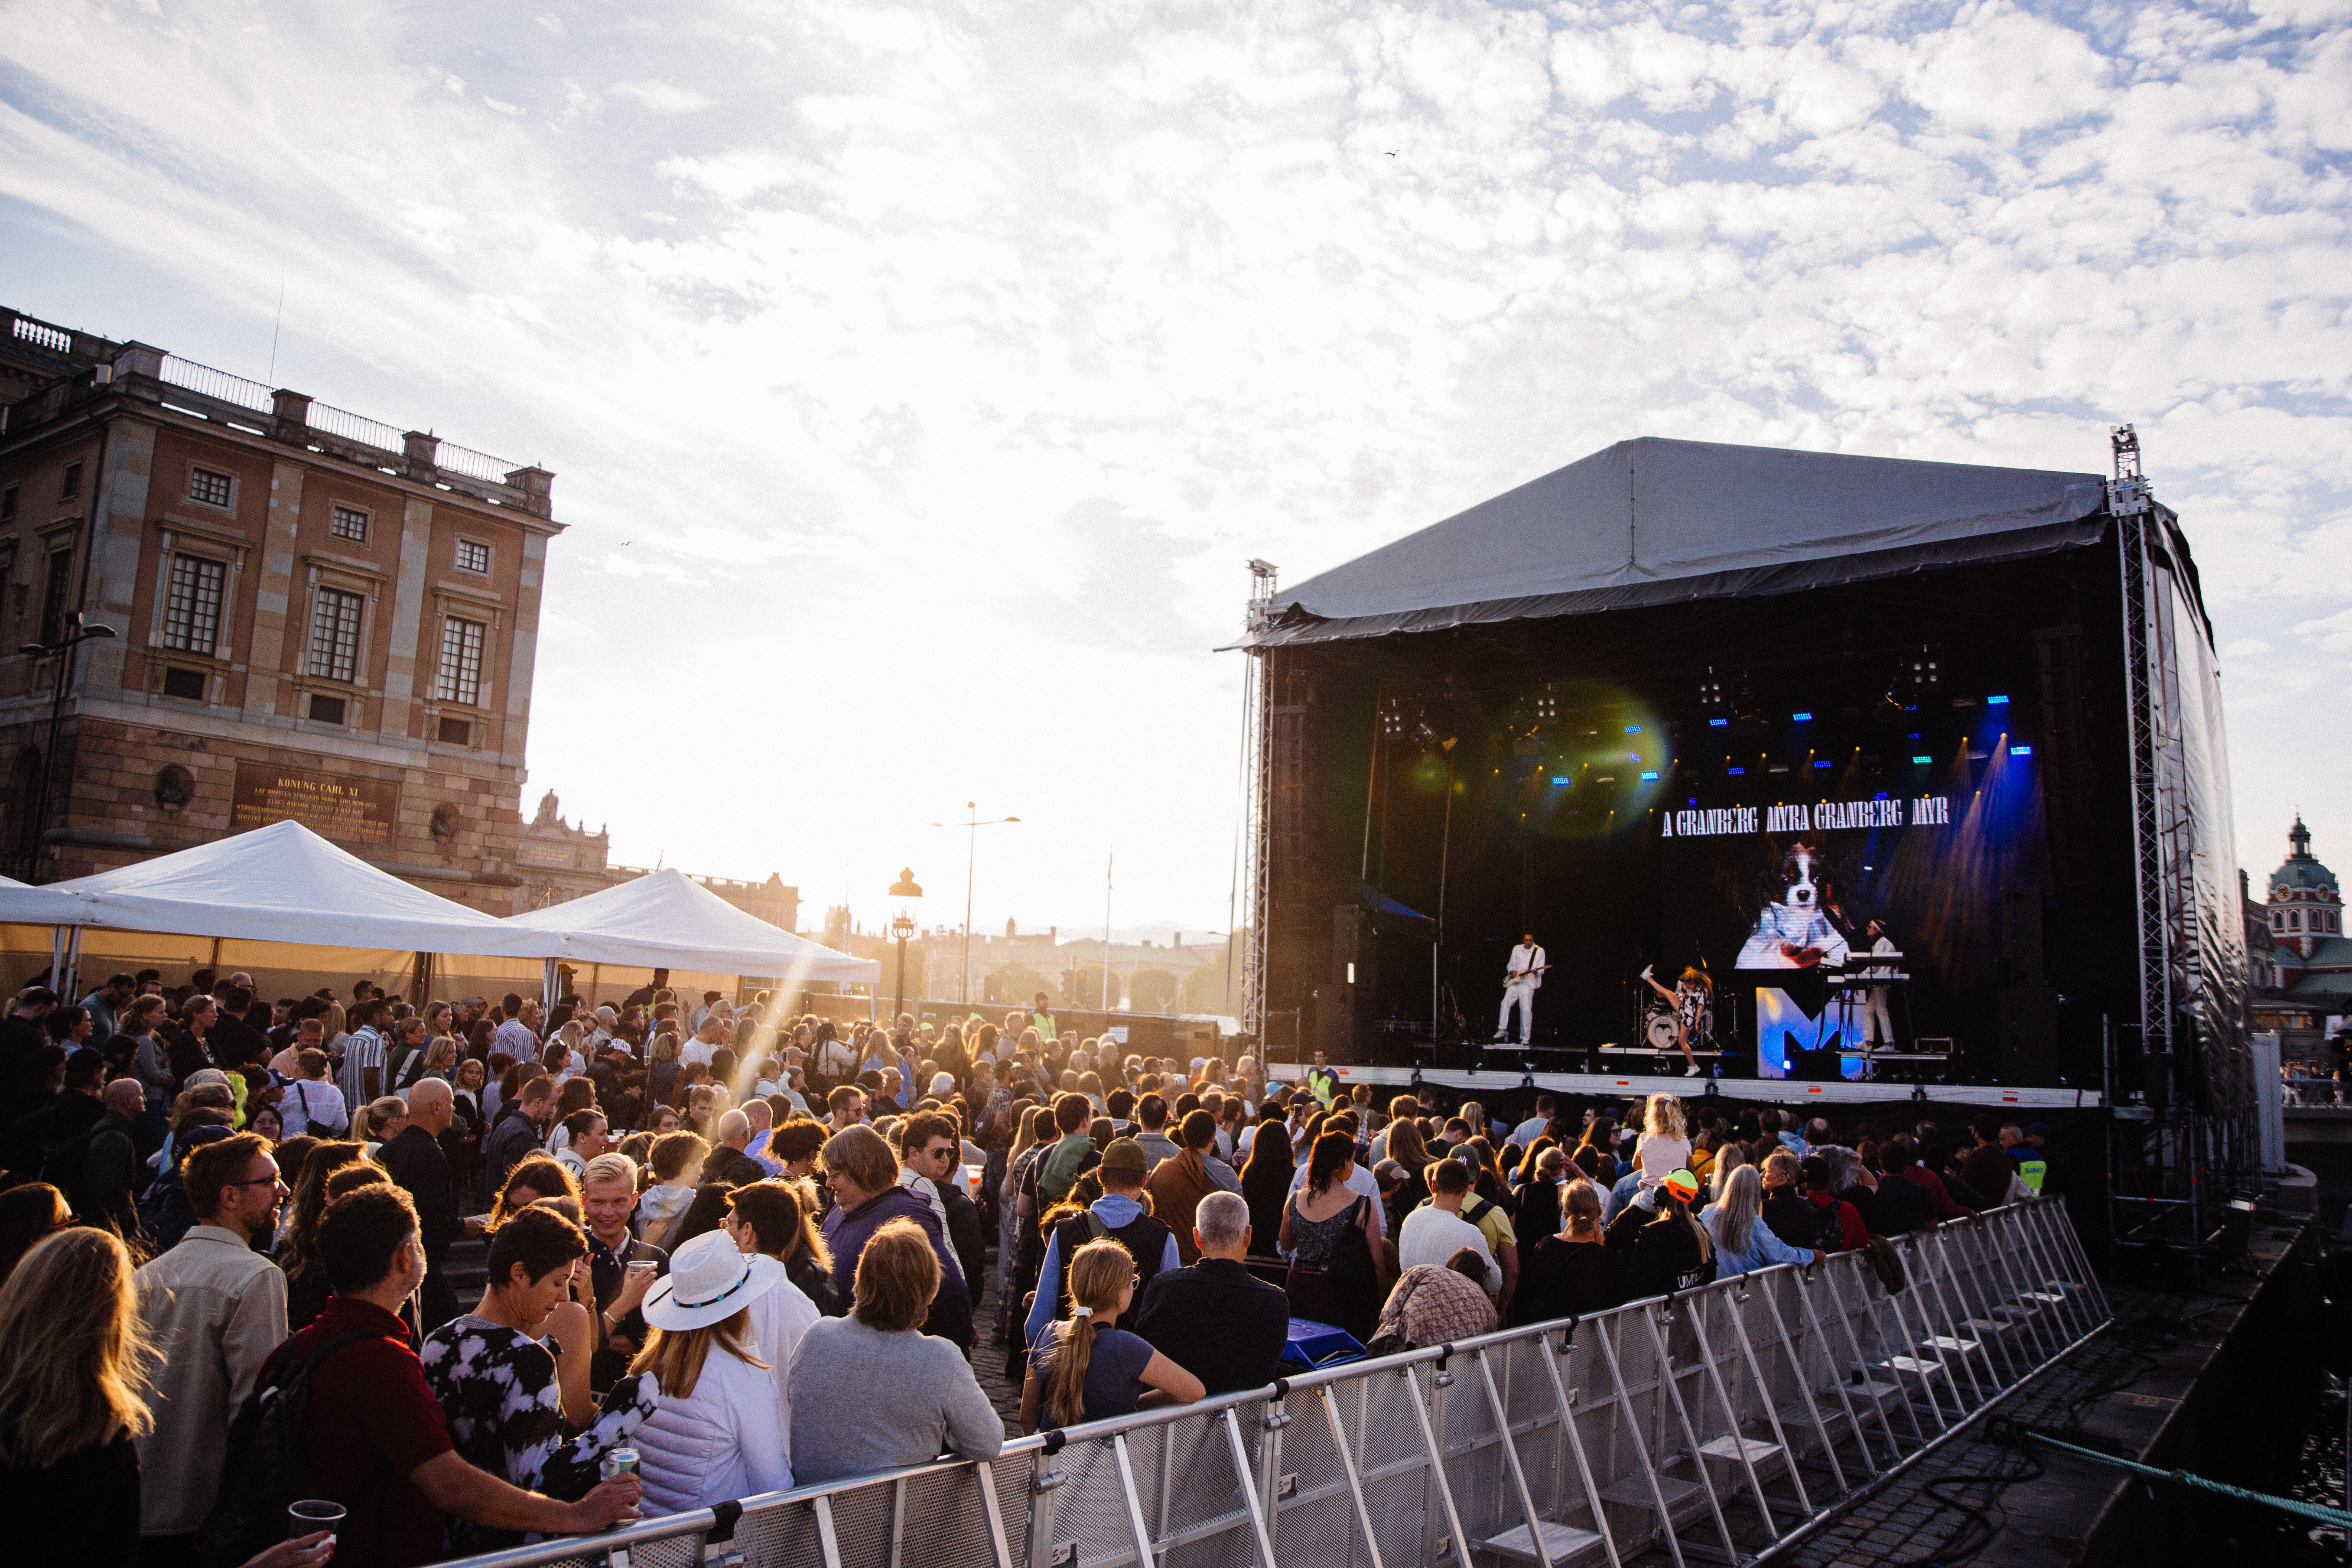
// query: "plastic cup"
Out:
[311,1516]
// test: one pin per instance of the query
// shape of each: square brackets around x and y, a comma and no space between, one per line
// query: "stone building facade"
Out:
[313,616]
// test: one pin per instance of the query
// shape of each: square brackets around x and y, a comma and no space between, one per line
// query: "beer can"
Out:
[619,1462]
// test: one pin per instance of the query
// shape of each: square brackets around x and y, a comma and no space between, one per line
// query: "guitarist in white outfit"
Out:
[1521,980]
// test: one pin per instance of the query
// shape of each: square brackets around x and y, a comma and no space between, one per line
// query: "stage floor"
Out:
[1785,1091]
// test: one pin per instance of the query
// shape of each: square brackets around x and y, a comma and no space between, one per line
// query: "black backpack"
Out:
[268,1465]
[1829,1228]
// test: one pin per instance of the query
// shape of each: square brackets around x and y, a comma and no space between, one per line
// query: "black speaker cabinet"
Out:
[2025,1048]
[2021,959]
[1334,1021]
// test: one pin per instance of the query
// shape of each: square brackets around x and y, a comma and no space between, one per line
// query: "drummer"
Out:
[1692,1006]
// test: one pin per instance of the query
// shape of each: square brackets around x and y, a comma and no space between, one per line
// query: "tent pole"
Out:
[73,961]
[547,985]
[57,958]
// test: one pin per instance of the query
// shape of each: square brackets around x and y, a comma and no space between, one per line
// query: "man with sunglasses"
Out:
[216,1309]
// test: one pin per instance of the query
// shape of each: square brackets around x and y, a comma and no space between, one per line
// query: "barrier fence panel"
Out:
[1710,1427]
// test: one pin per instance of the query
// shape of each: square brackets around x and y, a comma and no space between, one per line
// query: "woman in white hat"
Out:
[718,1430]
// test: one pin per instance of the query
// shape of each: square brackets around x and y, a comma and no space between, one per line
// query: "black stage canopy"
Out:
[1652,521]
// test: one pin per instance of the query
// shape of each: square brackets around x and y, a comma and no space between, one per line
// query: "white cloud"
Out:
[663,97]
[953,368]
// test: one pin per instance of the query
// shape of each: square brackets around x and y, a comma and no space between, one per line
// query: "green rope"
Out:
[2335,1516]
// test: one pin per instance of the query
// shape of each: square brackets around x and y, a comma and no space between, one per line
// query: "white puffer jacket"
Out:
[724,1441]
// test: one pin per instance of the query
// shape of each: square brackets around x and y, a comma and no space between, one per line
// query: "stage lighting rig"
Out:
[1917,678]
[1391,719]
[1710,694]
[1426,736]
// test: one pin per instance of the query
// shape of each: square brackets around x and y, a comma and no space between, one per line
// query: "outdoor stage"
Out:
[1469,1083]
[1837,748]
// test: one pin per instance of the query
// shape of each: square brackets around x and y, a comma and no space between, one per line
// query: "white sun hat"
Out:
[708,1282]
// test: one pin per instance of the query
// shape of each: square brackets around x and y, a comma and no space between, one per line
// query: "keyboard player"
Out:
[1878,1021]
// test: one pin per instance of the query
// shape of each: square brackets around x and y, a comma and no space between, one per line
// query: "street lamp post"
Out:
[902,927]
[76,633]
[970,858]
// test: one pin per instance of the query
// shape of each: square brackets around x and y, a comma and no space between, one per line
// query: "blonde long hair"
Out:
[74,1353]
[675,1356]
[1735,1211]
[1662,1116]
[1097,1274]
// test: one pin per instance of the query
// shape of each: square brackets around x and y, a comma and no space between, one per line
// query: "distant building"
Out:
[560,861]
[314,615]
[2310,955]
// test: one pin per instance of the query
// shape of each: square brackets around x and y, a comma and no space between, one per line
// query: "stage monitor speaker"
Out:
[1334,1021]
[2021,961]
[2025,1049]
[1819,1064]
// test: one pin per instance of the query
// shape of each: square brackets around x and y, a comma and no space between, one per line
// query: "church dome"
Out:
[2300,872]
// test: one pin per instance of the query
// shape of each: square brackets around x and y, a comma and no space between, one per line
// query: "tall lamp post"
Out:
[902,927]
[970,858]
[76,633]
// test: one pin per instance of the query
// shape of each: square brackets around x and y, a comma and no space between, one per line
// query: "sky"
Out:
[919,379]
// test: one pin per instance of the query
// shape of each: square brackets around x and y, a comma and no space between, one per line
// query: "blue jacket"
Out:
[1763,1250]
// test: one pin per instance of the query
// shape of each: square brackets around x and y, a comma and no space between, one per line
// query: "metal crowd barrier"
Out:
[1714,1426]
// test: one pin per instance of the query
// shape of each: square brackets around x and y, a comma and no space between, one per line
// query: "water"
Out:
[2319,1477]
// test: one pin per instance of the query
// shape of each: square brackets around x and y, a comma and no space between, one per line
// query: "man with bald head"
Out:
[726,1161]
[414,1159]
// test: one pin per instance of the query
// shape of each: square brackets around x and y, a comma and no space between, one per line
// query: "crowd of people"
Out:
[756,1249]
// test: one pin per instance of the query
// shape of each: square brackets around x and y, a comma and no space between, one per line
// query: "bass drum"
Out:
[1659,1031]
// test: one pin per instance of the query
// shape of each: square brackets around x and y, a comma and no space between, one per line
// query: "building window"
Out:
[335,635]
[187,684]
[191,607]
[348,522]
[9,505]
[455,732]
[71,486]
[473,556]
[211,489]
[53,596]
[326,710]
[461,662]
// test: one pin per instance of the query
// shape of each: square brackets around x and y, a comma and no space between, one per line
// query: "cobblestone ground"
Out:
[987,1356]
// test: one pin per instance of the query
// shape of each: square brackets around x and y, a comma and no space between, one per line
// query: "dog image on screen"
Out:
[1794,930]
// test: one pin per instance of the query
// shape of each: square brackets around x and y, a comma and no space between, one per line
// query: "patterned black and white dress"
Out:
[499,1393]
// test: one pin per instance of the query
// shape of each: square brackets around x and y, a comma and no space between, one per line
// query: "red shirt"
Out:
[1850,1223]
[372,1423]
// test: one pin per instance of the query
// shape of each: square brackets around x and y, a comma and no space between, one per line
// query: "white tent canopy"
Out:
[280,883]
[668,921]
[26,905]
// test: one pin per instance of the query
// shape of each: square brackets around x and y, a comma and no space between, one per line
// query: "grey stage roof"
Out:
[1652,521]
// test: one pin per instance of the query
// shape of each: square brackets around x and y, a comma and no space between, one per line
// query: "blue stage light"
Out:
[1650,775]
[1718,723]
[2021,750]
[1923,759]
[1632,729]
[1559,778]
[1995,701]
[1734,773]
[1801,718]
[1822,764]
